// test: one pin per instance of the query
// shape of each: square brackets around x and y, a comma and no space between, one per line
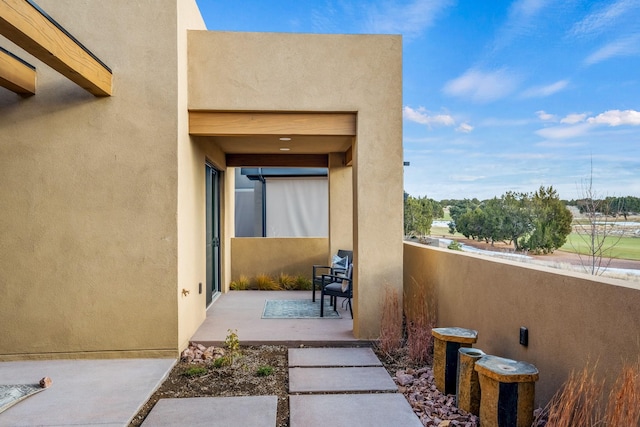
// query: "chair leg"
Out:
[350,309]
[321,303]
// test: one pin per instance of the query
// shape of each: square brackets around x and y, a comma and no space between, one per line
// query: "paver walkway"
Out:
[328,377]
[328,387]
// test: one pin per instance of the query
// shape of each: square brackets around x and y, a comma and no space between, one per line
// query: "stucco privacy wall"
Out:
[334,73]
[274,255]
[572,318]
[89,225]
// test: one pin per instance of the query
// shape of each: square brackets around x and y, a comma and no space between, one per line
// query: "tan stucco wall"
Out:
[91,230]
[572,318]
[274,255]
[344,73]
[340,204]
[191,195]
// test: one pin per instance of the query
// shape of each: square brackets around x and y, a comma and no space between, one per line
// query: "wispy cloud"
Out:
[410,19]
[576,125]
[424,117]
[604,18]
[464,128]
[544,116]
[616,118]
[559,144]
[520,20]
[482,86]
[628,46]
[544,91]
[564,132]
[466,178]
[572,119]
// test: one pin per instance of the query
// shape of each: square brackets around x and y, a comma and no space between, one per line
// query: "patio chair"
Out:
[334,268]
[337,286]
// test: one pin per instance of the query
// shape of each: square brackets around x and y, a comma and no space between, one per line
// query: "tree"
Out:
[517,217]
[418,215]
[551,222]
[539,222]
[596,231]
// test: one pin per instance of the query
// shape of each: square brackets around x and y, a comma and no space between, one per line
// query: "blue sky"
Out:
[498,95]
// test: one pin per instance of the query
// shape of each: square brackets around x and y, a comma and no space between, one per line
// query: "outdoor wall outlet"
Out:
[524,336]
[199,288]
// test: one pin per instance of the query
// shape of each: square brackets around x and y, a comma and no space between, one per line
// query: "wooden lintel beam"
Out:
[17,75]
[29,27]
[348,156]
[217,123]
[277,160]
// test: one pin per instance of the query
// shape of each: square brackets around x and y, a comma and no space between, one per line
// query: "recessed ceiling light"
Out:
[285,149]
[285,139]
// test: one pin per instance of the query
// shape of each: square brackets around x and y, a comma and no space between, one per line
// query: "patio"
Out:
[242,311]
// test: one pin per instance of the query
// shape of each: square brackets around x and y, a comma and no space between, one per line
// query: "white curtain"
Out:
[297,207]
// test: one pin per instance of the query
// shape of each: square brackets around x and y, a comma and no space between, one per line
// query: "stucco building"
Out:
[117,187]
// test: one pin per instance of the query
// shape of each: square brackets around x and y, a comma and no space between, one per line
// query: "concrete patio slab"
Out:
[340,380]
[83,392]
[242,311]
[353,410]
[255,411]
[336,357]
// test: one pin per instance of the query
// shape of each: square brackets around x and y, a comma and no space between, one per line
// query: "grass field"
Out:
[626,248]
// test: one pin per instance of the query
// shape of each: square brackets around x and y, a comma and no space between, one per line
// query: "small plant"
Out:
[420,321]
[454,246]
[286,281]
[390,323]
[264,371]
[242,284]
[232,344]
[266,283]
[195,371]
[623,408]
[303,283]
[577,403]
[222,361]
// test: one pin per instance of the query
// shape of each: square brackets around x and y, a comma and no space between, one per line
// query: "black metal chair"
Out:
[337,286]
[320,270]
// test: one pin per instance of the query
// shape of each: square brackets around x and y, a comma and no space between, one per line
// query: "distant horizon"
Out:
[497,96]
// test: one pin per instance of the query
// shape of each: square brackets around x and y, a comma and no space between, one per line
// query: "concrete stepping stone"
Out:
[353,410]
[336,357]
[242,411]
[340,380]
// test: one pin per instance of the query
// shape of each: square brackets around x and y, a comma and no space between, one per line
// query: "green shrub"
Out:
[264,371]
[195,371]
[454,246]
[222,361]
[302,283]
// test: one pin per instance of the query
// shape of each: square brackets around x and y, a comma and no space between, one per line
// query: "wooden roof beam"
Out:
[17,75]
[29,27]
[222,123]
[277,160]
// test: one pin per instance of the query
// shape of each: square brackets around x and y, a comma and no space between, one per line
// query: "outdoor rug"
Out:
[12,394]
[297,309]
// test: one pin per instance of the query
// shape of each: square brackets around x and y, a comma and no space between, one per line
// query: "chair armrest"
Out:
[334,278]
[321,267]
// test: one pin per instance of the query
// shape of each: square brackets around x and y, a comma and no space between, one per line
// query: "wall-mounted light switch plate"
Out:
[524,336]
